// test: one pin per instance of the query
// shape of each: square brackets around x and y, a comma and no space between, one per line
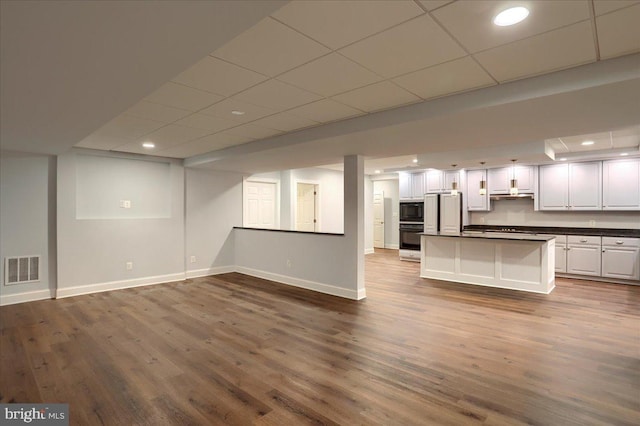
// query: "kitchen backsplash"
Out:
[521,213]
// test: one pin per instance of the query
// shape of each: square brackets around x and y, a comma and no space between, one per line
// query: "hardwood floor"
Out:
[233,349]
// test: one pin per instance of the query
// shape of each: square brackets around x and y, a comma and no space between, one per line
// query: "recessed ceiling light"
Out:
[149,145]
[236,112]
[378,172]
[585,143]
[562,159]
[624,154]
[511,16]
[415,160]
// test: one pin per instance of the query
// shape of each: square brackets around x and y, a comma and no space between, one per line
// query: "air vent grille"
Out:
[24,269]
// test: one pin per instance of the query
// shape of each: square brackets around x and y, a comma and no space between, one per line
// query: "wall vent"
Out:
[23,269]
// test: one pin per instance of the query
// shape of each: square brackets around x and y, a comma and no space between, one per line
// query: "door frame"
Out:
[316,183]
[384,220]
[276,201]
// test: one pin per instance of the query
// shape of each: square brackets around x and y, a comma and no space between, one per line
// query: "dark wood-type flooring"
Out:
[233,349]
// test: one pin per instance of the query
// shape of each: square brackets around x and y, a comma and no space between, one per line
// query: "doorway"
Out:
[378,220]
[260,205]
[307,207]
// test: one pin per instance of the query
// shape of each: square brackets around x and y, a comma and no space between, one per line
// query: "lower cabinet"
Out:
[621,258]
[561,253]
[583,255]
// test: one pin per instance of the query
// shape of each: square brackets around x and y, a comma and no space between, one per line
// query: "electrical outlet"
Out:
[129,266]
[592,223]
[288,263]
[127,204]
[193,259]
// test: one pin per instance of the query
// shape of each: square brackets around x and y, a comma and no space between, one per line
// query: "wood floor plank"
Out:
[238,350]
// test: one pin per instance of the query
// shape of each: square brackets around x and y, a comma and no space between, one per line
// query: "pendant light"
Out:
[454,184]
[483,183]
[513,187]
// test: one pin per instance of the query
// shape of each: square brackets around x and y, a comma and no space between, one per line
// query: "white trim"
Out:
[30,296]
[197,273]
[309,285]
[117,285]
[392,246]
[369,251]
[362,294]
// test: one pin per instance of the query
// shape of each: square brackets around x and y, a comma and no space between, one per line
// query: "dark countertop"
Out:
[498,236]
[289,231]
[597,232]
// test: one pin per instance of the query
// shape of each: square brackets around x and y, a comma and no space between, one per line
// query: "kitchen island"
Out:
[515,261]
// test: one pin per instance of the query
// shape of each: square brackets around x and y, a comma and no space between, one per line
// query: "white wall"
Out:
[27,221]
[92,253]
[521,213]
[391,205]
[331,197]
[213,208]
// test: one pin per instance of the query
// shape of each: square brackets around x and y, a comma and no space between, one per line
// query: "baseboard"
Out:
[29,296]
[197,273]
[369,251]
[117,285]
[309,285]
[392,246]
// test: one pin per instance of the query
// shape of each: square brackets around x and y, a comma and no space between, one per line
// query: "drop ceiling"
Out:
[310,63]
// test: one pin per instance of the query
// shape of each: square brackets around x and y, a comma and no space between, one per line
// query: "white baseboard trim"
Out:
[117,285]
[309,285]
[197,273]
[29,296]
[369,251]
[362,293]
[392,246]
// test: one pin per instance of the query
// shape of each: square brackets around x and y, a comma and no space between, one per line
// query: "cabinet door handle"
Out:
[603,250]
[619,242]
[583,241]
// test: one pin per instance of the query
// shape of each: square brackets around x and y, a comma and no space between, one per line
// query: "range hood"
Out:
[497,197]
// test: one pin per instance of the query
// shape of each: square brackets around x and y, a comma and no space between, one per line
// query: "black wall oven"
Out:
[412,211]
[409,236]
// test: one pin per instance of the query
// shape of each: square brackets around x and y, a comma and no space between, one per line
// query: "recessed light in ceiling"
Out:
[378,172]
[236,112]
[562,159]
[511,16]
[586,143]
[415,160]
[149,145]
[624,154]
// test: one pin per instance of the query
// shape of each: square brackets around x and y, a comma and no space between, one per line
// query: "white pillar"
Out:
[354,218]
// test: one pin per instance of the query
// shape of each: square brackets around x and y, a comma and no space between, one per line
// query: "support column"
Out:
[354,218]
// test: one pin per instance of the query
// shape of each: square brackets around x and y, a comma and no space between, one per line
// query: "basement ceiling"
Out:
[310,63]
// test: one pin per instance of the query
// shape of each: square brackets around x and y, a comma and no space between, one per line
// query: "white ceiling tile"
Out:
[251,112]
[627,131]
[277,95]
[444,79]
[558,146]
[252,131]
[157,112]
[434,4]
[127,127]
[378,96]
[605,6]
[172,135]
[330,75]
[185,97]
[285,122]
[270,48]
[555,50]
[325,110]
[217,76]
[338,23]
[471,22]
[619,32]
[98,140]
[628,141]
[207,122]
[414,45]
[601,141]
[203,145]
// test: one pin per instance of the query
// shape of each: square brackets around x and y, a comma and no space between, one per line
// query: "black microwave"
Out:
[412,211]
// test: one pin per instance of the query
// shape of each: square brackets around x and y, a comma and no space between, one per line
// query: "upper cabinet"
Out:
[576,186]
[500,179]
[621,184]
[411,185]
[433,181]
[475,200]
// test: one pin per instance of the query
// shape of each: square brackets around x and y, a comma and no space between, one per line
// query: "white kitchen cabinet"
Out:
[575,186]
[450,214]
[585,186]
[431,213]
[451,176]
[561,253]
[621,258]
[433,181]
[475,201]
[411,185]
[621,184]
[500,180]
[583,255]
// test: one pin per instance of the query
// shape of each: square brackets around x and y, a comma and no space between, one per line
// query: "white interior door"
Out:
[378,220]
[260,205]
[306,219]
